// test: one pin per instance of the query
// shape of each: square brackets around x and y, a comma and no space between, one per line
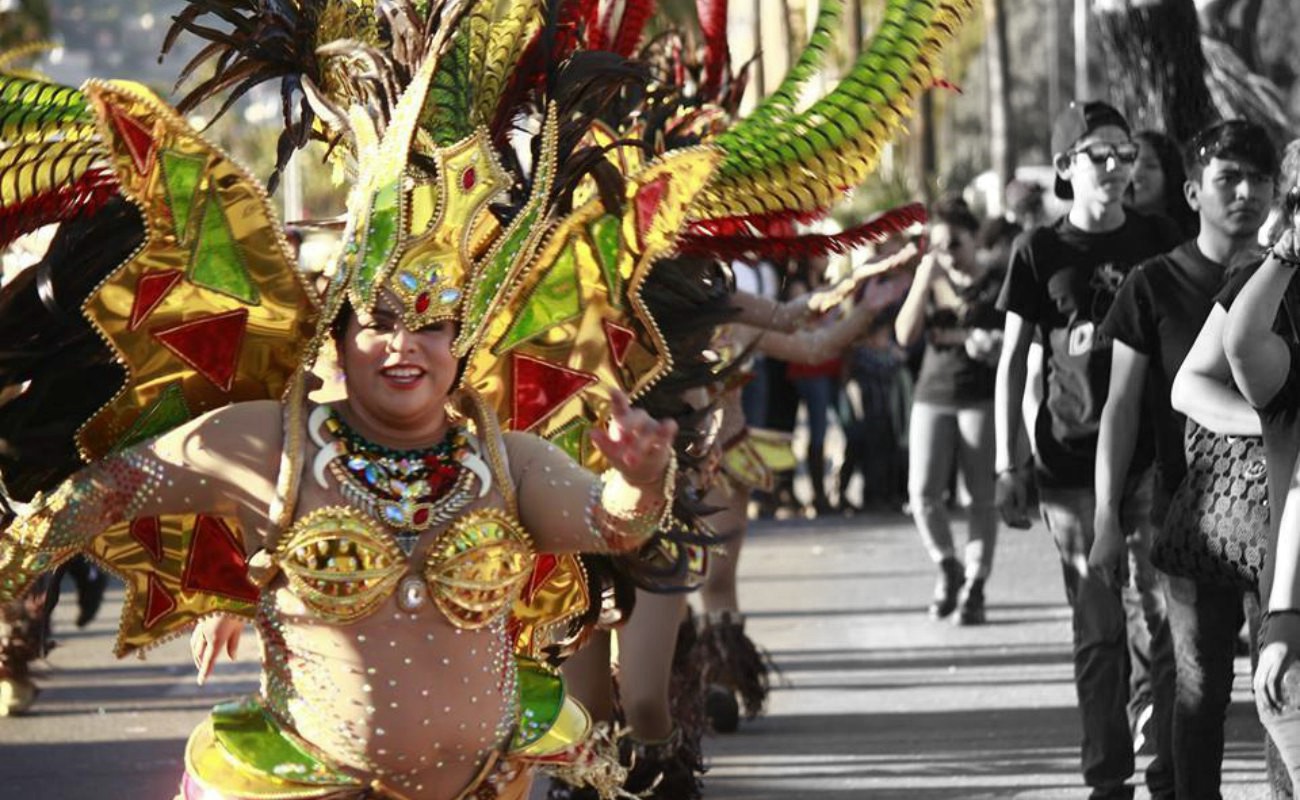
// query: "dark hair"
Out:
[997,231]
[1236,139]
[1171,166]
[952,210]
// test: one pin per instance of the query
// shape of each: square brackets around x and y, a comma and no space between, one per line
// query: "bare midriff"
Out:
[403,697]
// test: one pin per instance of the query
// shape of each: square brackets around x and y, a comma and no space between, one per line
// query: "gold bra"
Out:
[343,566]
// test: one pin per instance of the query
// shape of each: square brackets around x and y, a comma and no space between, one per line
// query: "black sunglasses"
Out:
[1099,152]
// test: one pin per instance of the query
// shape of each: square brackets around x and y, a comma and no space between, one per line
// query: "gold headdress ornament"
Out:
[549,298]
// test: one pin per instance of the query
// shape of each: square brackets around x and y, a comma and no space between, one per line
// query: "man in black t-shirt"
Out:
[1059,286]
[1153,322]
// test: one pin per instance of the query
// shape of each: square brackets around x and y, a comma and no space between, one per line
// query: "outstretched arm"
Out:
[224,462]
[567,509]
[792,315]
[827,342]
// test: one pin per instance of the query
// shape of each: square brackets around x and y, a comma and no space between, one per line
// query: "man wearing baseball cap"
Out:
[1060,283]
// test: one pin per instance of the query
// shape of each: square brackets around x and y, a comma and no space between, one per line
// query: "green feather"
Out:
[779,105]
[29,107]
[447,109]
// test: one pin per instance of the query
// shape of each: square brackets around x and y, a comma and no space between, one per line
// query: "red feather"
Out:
[596,31]
[636,13]
[717,58]
[781,248]
[84,197]
[772,223]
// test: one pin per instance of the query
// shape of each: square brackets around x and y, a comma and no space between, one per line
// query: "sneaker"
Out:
[970,604]
[946,588]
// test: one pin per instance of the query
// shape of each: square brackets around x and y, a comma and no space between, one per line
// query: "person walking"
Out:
[1059,285]
[1156,317]
[952,303]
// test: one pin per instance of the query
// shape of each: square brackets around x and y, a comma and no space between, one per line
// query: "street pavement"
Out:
[873,700]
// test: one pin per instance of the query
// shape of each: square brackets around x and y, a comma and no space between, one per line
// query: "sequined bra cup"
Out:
[343,563]
[343,566]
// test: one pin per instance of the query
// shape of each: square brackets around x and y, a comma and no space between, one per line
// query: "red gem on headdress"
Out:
[139,143]
[209,344]
[422,303]
[147,531]
[160,602]
[150,290]
[420,516]
[468,178]
[647,201]
[620,340]
[540,388]
[216,562]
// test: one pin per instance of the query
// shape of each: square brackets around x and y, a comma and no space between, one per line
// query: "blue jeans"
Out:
[939,436]
[1102,662]
[817,394]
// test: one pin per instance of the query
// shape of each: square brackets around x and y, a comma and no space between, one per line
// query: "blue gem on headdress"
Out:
[356,463]
[409,282]
[433,278]
[372,474]
[393,514]
[449,295]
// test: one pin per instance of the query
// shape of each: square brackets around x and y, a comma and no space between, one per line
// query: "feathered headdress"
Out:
[543,249]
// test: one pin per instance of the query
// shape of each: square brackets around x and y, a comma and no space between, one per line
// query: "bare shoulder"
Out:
[250,433]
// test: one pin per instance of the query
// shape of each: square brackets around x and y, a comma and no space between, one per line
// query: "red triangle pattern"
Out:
[147,531]
[216,562]
[160,603]
[620,340]
[540,388]
[150,290]
[209,344]
[139,143]
[543,568]
[647,202]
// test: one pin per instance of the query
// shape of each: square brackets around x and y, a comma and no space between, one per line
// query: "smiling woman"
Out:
[407,553]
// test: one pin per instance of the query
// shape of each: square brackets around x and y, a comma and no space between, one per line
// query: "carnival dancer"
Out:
[388,530]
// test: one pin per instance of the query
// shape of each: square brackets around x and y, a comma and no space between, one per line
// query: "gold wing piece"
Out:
[573,325]
[177,569]
[211,309]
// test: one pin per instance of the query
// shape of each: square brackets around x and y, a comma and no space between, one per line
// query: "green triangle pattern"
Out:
[499,267]
[556,300]
[573,440]
[166,412]
[217,263]
[607,233]
[381,238]
[181,175]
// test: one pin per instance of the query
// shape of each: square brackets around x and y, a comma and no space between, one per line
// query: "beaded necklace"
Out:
[411,490]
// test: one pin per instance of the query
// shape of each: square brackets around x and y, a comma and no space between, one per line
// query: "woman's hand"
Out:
[210,637]
[1273,662]
[1281,631]
[636,444]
